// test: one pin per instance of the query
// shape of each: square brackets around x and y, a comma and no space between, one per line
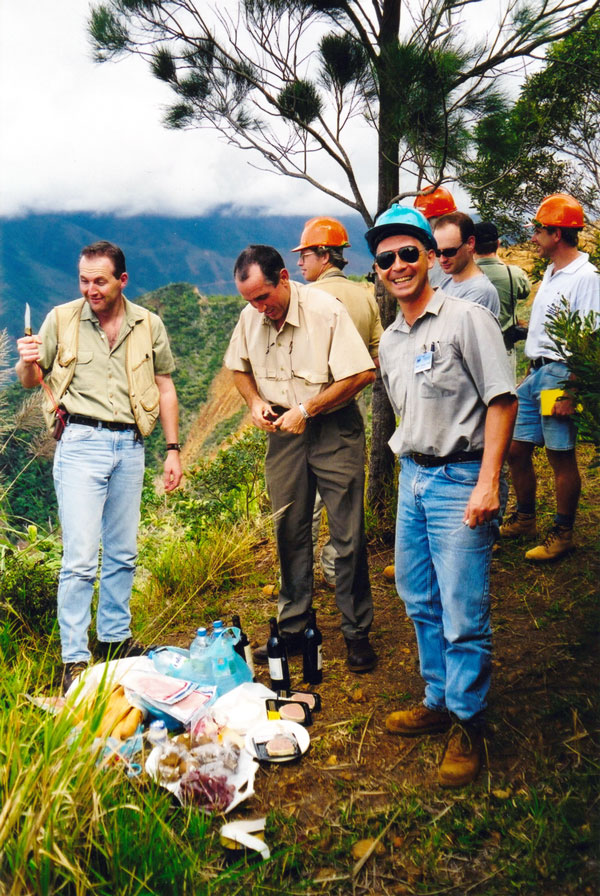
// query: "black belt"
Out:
[100,424]
[539,362]
[433,460]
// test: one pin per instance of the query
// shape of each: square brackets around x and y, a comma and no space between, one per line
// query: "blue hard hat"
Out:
[398,219]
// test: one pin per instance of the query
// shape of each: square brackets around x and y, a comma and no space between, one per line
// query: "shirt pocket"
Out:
[442,377]
[145,384]
[312,377]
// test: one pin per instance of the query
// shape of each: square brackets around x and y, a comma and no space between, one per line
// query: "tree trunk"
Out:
[381,463]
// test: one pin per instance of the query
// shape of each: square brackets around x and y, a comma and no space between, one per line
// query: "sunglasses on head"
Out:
[409,254]
[448,253]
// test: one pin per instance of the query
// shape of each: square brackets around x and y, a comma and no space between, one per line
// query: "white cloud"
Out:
[79,136]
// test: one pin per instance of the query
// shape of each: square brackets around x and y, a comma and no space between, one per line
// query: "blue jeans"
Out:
[556,433]
[442,575]
[98,477]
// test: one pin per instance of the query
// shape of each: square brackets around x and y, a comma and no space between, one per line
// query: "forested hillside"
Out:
[38,253]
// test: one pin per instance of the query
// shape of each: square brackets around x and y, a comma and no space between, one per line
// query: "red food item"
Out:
[212,792]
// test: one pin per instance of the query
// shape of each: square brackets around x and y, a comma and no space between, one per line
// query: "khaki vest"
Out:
[143,391]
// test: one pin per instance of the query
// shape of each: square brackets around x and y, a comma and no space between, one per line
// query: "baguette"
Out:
[128,724]
[117,707]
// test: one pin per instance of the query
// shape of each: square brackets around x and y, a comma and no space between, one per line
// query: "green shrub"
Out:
[223,490]
[28,591]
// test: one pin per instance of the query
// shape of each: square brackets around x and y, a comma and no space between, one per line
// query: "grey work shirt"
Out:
[442,409]
[99,387]
[479,289]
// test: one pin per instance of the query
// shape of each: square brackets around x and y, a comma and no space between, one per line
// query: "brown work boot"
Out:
[519,525]
[417,720]
[557,543]
[462,757]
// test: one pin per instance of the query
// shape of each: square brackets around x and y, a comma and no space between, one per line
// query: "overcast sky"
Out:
[78,136]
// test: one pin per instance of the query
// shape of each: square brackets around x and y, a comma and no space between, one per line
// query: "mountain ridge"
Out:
[38,254]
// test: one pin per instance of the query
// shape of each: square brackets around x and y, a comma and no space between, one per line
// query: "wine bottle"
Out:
[312,656]
[278,661]
[243,645]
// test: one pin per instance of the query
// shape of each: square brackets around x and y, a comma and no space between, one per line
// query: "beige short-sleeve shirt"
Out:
[317,345]
[99,387]
[360,304]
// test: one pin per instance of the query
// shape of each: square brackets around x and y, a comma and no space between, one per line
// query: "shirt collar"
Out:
[292,316]
[573,267]
[331,272]
[433,306]
[133,313]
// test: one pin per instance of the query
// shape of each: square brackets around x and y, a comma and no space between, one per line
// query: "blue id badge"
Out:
[423,362]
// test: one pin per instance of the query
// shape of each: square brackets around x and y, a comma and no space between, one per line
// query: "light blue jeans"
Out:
[98,476]
[442,575]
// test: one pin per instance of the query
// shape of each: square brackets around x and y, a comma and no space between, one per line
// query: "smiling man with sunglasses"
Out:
[455,237]
[446,372]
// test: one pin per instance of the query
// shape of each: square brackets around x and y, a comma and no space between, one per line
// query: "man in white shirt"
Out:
[569,276]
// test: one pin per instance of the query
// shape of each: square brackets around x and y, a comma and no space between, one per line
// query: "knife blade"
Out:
[28,330]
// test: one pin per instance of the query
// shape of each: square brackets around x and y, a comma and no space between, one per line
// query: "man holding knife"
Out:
[106,364]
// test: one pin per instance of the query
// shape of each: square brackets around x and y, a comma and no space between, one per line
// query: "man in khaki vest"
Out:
[107,364]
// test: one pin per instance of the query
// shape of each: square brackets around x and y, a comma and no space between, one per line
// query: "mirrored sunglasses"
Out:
[448,253]
[409,254]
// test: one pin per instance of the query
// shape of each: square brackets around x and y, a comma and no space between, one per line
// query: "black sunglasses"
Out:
[448,253]
[409,254]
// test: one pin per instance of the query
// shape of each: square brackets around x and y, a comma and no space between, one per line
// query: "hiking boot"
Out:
[293,645]
[361,656]
[519,525]
[389,573]
[70,672]
[557,543]
[118,650]
[417,720]
[462,757]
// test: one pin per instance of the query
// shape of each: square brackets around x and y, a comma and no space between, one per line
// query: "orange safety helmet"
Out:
[559,210]
[323,232]
[435,203]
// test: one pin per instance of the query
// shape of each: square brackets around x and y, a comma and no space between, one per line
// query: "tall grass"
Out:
[183,578]
[71,824]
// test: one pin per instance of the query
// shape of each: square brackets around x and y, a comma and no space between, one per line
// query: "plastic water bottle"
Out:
[217,629]
[221,649]
[200,659]
[157,735]
[174,661]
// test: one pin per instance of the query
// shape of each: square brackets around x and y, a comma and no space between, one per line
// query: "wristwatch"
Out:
[173,446]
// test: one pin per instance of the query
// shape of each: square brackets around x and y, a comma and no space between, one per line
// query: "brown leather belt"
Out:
[458,457]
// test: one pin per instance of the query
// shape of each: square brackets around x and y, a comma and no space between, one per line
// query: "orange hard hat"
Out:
[323,232]
[559,210]
[436,203]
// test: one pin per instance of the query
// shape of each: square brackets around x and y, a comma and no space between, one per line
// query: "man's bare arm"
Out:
[484,502]
[169,420]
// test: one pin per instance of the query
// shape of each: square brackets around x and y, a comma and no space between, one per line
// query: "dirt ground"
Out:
[541,709]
